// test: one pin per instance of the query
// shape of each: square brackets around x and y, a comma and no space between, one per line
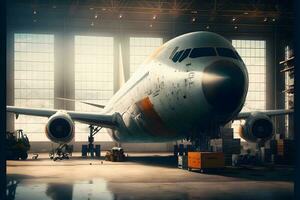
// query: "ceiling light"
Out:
[233,19]
[34,12]
[265,19]
[92,24]
[54,6]
[194,19]
[91,8]
[246,13]
[120,16]
[273,19]
[154,17]
[207,27]
[34,20]
[103,9]
[150,25]
[235,27]
[96,16]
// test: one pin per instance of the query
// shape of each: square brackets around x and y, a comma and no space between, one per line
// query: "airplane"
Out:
[186,89]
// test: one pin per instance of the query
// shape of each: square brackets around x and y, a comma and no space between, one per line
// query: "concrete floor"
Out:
[151,176]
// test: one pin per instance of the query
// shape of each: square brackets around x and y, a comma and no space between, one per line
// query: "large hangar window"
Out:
[140,49]
[93,78]
[33,80]
[253,53]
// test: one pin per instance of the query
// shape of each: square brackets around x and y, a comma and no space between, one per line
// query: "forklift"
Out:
[17,145]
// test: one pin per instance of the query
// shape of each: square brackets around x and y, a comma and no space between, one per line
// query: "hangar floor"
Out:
[143,176]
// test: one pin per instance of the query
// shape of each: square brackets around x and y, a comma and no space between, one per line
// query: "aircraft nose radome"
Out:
[224,86]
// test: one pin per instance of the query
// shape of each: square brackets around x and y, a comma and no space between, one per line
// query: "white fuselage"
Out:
[164,100]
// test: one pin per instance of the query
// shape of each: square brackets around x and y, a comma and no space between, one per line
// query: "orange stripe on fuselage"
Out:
[154,123]
[147,106]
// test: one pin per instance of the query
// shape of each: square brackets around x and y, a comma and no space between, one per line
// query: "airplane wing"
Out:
[103,120]
[270,113]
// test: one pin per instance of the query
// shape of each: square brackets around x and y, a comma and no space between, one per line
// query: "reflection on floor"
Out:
[151,176]
[38,189]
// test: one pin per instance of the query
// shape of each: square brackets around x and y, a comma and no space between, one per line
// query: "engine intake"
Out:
[257,127]
[60,128]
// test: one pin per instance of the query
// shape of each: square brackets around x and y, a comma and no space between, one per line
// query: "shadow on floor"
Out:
[156,160]
[273,173]
[281,173]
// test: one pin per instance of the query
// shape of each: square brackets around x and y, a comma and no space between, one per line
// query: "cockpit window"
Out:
[238,56]
[225,52]
[184,55]
[201,52]
[177,56]
[173,52]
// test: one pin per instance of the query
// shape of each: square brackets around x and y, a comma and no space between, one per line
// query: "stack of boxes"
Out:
[227,144]
[282,151]
[280,147]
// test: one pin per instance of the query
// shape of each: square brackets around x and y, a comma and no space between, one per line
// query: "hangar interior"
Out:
[86,50]
[82,50]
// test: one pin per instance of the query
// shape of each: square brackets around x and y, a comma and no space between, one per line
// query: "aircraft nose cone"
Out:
[224,86]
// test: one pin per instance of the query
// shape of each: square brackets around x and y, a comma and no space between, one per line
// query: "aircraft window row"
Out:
[204,52]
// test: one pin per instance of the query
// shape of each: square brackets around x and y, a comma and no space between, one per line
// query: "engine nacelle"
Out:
[60,128]
[257,127]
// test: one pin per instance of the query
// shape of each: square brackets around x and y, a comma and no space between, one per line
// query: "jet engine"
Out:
[60,128]
[257,127]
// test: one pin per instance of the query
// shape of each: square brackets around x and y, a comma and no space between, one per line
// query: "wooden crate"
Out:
[205,160]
